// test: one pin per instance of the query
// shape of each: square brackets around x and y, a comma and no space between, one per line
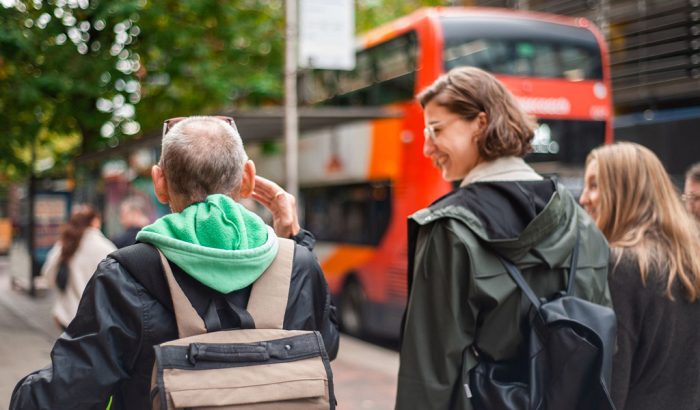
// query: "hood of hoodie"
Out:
[218,242]
[514,218]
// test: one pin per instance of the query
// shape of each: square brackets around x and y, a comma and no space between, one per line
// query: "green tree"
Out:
[56,60]
[372,13]
[200,56]
[80,75]
[104,70]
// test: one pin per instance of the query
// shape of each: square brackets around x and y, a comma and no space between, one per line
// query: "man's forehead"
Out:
[692,186]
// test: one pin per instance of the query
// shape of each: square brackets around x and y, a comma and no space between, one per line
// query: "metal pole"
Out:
[602,18]
[291,127]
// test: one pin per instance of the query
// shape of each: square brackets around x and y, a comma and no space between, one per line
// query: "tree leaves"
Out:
[51,67]
[108,70]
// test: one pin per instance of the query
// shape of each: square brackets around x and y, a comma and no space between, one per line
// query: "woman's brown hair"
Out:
[72,232]
[640,210]
[468,91]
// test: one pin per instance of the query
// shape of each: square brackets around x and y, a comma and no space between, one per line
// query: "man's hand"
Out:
[281,204]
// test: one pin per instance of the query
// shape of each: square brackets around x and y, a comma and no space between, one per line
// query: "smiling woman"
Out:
[462,305]
[455,152]
[480,119]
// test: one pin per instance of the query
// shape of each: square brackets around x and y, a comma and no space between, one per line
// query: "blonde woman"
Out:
[655,277]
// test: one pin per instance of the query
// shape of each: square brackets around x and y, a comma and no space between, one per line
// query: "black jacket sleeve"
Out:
[305,239]
[309,306]
[97,351]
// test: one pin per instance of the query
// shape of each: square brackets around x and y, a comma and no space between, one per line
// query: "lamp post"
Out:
[291,116]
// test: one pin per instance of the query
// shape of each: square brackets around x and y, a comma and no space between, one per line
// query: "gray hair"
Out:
[202,156]
[136,203]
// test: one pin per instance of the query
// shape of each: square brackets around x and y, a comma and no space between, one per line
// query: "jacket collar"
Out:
[501,169]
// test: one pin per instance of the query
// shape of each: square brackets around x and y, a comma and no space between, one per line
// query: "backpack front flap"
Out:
[572,349]
[263,368]
[245,369]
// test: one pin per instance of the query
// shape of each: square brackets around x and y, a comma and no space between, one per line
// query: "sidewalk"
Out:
[365,375]
[27,332]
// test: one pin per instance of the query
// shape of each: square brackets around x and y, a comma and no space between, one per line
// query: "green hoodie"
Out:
[218,242]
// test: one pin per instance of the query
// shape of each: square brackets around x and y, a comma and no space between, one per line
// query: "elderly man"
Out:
[217,249]
[691,192]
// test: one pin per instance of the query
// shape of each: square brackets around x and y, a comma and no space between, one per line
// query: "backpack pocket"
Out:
[285,373]
[271,387]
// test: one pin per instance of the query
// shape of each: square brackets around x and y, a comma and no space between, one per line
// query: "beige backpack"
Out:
[262,368]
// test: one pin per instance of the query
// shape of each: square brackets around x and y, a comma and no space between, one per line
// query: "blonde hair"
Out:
[640,211]
[468,91]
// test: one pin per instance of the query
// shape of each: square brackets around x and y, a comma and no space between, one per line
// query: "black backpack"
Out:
[568,364]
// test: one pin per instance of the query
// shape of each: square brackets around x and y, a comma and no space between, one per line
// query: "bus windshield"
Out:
[521,48]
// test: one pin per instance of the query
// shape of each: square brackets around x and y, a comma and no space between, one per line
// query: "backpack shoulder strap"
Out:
[189,323]
[520,281]
[517,277]
[268,298]
[141,260]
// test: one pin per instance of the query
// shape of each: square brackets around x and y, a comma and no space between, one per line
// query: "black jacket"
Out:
[108,348]
[126,238]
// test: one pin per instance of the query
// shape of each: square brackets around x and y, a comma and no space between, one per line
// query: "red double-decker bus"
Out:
[360,180]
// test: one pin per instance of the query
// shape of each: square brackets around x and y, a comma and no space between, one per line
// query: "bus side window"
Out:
[354,213]
[396,69]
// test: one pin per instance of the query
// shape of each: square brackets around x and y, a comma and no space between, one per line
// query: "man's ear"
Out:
[248,181]
[160,184]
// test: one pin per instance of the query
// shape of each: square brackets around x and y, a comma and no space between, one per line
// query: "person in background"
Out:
[654,280]
[81,247]
[691,191]
[133,215]
[461,298]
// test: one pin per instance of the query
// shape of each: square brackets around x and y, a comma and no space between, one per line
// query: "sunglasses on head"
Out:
[170,123]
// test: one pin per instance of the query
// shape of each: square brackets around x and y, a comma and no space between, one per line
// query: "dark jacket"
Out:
[460,294]
[108,348]
[126,238]
[657,364]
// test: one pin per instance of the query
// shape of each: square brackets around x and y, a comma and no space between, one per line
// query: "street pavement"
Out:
[364,374]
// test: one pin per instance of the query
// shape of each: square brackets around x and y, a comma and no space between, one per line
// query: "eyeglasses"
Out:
[690,198]
[429,130]
[170,123]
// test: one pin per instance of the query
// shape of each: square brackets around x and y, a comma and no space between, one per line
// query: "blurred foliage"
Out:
[79,75]
[372,13]
[55,58]
[201,56]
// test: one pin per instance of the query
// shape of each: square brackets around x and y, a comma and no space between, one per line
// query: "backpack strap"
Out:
[267,303]
[268,298]
[189,323]
[519,280]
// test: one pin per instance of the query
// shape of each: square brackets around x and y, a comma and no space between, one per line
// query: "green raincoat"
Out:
[459,292]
